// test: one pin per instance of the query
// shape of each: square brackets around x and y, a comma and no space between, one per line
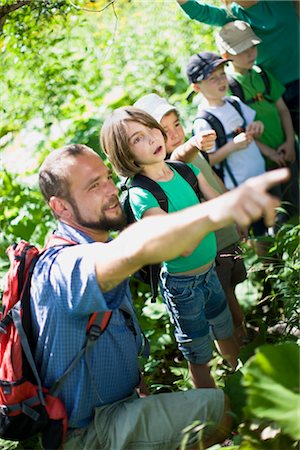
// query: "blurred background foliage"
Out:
[64,66]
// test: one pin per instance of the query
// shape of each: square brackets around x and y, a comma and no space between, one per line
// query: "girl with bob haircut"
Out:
[135,143]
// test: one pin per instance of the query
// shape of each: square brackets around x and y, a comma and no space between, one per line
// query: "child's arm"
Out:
[287,147]
[239,142]
[220,182]
[208,191]
[271,153]
[204,140]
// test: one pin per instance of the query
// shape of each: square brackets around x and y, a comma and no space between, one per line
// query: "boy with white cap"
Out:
[260,90]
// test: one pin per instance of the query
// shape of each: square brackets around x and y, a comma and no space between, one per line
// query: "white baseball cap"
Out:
[154,105]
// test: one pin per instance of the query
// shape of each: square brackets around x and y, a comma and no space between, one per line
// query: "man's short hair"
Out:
[53,173]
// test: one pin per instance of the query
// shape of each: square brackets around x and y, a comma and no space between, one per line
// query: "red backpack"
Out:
[26,407]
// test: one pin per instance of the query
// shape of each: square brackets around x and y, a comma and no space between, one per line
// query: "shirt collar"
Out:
[72,233]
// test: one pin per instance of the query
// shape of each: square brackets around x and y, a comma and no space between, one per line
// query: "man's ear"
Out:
[196,87]
[60,207]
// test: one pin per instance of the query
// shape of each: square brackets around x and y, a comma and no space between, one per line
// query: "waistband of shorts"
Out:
[189,277]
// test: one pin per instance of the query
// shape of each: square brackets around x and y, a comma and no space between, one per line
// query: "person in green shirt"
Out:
[260,90]
[136,143]
[276,23]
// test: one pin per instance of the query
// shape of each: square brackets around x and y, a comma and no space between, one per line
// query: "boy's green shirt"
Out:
[266,110]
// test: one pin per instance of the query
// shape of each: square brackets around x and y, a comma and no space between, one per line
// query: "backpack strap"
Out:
[97,324]
[205,156]
[55,240]
[222,137]
[187,173]
[237,107]
[216,125]
[266,80]
[237,89]
[154,188]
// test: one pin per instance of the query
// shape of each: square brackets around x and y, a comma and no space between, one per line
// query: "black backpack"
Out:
[222,137]
[237,90]
[150,274]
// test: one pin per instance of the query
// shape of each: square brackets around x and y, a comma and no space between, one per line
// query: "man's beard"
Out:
[104,223]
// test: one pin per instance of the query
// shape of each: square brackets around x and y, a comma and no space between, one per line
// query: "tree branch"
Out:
[7,9]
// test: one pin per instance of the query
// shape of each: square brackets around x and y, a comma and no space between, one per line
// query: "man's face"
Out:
[93,195]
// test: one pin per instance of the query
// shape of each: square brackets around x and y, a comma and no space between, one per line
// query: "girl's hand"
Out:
[255,129]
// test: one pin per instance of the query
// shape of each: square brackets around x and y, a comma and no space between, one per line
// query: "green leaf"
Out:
[272,381]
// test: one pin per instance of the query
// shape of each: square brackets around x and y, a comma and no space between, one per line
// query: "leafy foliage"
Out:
[272,381]
[66,68]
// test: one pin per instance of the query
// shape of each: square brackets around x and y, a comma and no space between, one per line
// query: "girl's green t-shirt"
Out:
[180,196]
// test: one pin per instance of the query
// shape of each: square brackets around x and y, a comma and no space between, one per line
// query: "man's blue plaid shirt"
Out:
[64,292]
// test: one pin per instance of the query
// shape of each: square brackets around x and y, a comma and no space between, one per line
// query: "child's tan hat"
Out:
[236,37]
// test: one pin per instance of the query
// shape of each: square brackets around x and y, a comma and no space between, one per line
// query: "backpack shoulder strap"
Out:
[235,104]
[216,125]
[238,108]
[236,87]
[205,155]
[55,240]
[154,188]
[187,173]
[266,81]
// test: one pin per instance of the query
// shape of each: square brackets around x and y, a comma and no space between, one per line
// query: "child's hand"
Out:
[204,140]
[288,151]
[255,129]
[277,157]
[241,141]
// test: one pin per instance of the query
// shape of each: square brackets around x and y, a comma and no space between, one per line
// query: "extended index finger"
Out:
[269,179]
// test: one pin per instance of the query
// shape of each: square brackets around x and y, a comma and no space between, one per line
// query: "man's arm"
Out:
[164,237]
[205,13]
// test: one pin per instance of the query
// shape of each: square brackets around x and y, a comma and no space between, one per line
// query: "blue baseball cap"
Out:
[201,65]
